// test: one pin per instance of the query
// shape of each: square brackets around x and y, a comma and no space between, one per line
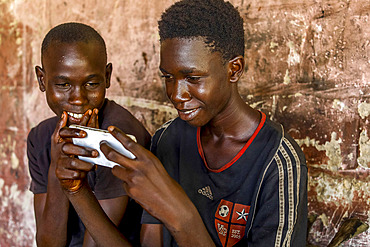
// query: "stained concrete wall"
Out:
[308,68]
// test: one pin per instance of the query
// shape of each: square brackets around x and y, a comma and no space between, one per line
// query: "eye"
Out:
[167,78]
[193,79]
[92,85]
[63,85]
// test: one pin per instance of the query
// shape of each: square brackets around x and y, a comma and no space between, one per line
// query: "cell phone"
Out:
[94,137]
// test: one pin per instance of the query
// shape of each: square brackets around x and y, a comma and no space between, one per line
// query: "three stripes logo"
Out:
[206,191]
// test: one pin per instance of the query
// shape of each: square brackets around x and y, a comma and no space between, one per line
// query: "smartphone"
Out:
[94,137]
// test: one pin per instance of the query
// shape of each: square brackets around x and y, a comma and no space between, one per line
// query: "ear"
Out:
[236,68]
[108,74]
[40,74]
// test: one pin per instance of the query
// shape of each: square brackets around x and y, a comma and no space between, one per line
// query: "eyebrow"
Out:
[184,71]
[62,77]
[92,76]
[65,78]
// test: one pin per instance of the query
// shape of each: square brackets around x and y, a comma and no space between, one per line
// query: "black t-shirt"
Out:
[102,182]
[259,198]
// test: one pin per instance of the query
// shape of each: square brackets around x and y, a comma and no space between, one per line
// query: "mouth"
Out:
[74,118]
[186,114]
[75,115]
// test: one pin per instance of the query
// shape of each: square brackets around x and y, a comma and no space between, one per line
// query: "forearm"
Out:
[52,223]
[188,228]
[97,223]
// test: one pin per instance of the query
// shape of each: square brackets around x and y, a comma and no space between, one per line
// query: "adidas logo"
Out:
[206,191]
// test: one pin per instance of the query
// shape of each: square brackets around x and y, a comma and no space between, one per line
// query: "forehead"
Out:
[74,54]
[186,53]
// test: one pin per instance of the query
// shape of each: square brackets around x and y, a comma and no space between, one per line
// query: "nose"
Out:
[179,92]
[77,96]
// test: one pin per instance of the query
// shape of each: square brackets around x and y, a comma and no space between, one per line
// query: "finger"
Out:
[93,121]
[71,149]
[67,164]
[61,123]
[115,156]
[85,118]
[70,174]
[72,133]
[126,141]
[79,165]
[120,172]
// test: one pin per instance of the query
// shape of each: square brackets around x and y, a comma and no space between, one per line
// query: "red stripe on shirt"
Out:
[238,155]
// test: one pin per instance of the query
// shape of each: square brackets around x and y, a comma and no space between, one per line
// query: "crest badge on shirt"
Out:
[230,221]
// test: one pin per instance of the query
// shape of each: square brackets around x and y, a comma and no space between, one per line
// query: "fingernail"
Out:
[95,153]
[90,112]
[96,111]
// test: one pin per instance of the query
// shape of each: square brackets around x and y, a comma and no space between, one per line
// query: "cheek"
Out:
[96,99]
[169,89]
[54,97]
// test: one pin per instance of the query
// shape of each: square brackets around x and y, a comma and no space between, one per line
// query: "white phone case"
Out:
[93,140]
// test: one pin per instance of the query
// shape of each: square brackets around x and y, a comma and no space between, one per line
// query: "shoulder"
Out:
[43,131]
[288,156]
[285,152]
[171,129]
[170,135]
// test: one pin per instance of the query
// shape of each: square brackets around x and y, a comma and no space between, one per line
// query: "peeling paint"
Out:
[273,45]
[286,78]
[14,161]
[337,104]
[364,146]
[340,191]
[331,148]
[364,109]
[294,57]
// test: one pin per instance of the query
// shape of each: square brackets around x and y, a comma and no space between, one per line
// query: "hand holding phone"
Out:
[94,137]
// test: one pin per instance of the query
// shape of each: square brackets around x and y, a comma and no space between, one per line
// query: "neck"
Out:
[237,121]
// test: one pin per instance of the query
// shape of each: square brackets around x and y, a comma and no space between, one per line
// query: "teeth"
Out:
[75,115]
[190,111]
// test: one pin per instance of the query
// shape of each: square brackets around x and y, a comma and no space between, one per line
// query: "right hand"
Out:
[70,171]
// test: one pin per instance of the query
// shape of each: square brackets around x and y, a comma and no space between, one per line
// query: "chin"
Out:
[195,123]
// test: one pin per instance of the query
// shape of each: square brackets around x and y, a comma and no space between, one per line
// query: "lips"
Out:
[75,115]
[74,118]
[187,114]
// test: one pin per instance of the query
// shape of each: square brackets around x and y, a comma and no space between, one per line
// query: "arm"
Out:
[283,201]
[115,209]
[72,173]
[146,181]
[100,227]
[151,235]
[51,208]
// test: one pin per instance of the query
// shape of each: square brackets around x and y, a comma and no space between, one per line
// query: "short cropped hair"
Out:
[217,21]
[72,32]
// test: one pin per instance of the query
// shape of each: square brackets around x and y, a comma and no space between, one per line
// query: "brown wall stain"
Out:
[307,67]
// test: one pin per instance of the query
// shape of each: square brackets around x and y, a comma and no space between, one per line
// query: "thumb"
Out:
[61,123]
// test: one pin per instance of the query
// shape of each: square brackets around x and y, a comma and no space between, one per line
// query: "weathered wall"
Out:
[308,68]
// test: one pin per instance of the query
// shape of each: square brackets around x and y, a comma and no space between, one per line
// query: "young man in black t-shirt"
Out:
[74,76]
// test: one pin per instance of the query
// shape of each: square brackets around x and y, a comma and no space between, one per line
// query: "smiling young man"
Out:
[222,173]
[74,76]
